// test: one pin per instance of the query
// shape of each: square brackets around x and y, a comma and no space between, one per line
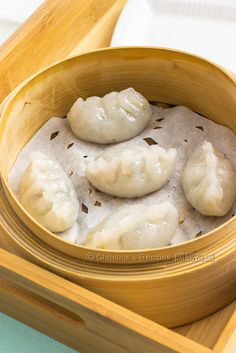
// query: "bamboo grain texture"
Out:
[202,286]
[97,324]
[207,331]
[55,19]
[49,318]
[56,30]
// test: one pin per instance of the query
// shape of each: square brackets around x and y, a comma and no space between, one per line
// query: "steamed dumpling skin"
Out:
[131,171]
[116,117]
[209,181]
[136,227]
[48,194]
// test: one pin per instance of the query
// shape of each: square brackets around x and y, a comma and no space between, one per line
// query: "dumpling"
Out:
[136,227]
[131,170]
[70,235]
[48,194]
[209,181]
[116,117]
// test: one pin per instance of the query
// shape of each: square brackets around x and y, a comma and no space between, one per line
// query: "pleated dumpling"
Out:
[136,227]
[116,117]
[209,181]
[131,170]
[48,194]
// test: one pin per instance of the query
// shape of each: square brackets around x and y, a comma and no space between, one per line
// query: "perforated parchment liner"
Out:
[177,127]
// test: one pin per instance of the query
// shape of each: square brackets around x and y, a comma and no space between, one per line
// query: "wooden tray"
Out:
[43,300]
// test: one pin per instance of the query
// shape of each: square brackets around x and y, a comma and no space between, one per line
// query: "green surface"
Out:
[18,338]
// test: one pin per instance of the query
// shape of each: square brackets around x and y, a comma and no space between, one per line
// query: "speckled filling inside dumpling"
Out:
[209,181]
[116,117]
[131,171]
[48,194]
[136,227]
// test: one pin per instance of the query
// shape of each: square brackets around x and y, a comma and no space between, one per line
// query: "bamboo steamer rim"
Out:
[90,271]
[172,249]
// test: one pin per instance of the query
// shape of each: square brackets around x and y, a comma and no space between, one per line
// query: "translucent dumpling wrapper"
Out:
[209,181]
[136,227]
[131,170]
[71,234]
[116,117]
[48,194]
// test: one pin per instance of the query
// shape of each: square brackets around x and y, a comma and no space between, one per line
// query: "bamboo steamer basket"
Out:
[172,285]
